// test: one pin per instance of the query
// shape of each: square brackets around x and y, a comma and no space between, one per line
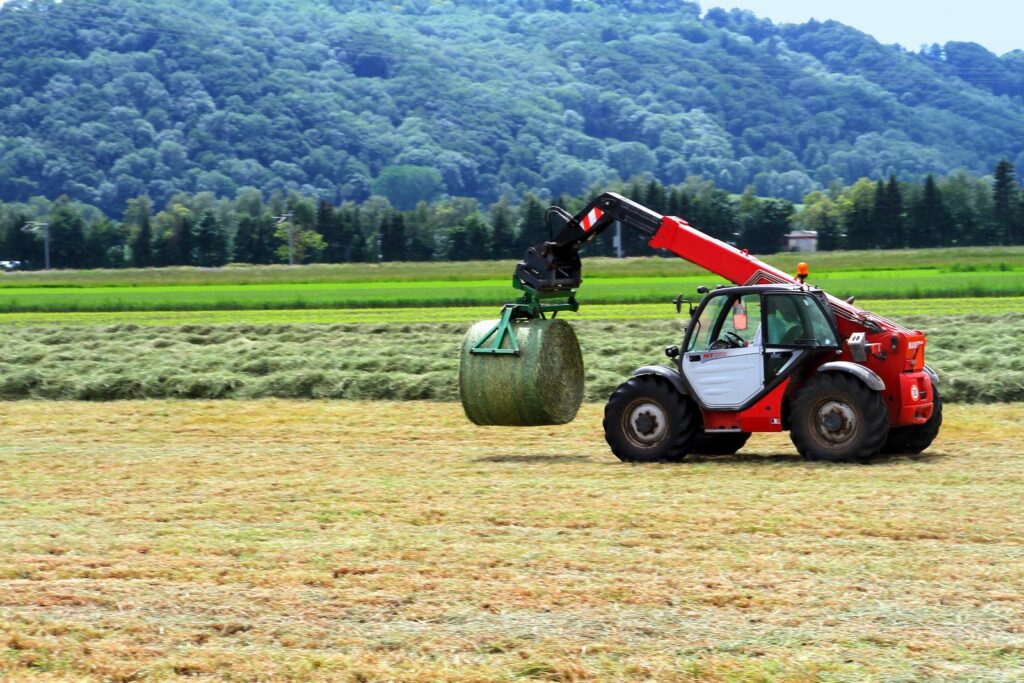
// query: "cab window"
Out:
[796,320]
[725,319]
[744,318]
[709,319]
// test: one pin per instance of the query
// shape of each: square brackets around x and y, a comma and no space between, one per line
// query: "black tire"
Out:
[913,440]
[838,419]
[720,444]
[647,420]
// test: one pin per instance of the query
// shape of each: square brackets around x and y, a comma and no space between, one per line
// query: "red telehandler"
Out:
[766,355]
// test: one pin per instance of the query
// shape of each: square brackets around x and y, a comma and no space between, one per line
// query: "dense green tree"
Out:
[888,228]
[139,216]
[857,209]
[970,206]
[67,235]
[929,217]
[173,229]
[654,197]
[15,243]
[1005,195]
[771,223]
[502,230]
[105,245]
[406,185]
[325,219]
[712,211]
[344,241]
[254,238]
[211,242]
[393,239]
[470,240]
[679,201]
[530,229]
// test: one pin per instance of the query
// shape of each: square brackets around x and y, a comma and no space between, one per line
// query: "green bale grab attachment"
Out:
[523,369]
[542,384]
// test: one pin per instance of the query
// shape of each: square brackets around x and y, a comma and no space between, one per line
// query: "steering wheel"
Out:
[729,340]
[735,341]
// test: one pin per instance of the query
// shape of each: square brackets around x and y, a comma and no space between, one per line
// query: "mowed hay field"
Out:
[974,355]
[359,537]
[360,541]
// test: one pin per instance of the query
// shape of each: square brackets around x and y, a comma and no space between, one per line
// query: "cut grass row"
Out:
[947,260]
[350,541]
[465,314]
[972,353]
[894,284]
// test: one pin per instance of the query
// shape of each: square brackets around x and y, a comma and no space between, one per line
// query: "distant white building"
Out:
[802,240]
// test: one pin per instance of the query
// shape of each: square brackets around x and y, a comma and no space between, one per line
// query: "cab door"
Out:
[724,360]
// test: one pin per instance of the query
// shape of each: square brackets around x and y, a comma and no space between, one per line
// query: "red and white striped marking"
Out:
[591,218]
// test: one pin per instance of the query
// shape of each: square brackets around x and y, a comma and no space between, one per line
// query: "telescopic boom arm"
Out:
[554,266]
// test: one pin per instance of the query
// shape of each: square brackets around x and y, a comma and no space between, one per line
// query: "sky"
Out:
[995,24]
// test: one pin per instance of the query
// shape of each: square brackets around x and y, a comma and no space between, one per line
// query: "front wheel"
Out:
[647,420]
[837,418]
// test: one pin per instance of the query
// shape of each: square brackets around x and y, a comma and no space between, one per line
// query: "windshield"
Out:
[796,320]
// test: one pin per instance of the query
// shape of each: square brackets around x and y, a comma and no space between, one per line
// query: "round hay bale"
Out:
[543,385]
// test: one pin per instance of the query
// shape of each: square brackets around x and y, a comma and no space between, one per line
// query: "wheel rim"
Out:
[835,422]
[645,423]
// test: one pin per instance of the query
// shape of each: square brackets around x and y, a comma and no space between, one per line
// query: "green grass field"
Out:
[354,542]
[893,275]
[969,259]
[900,284]
[464,314]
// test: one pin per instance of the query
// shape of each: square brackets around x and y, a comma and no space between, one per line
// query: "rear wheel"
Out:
[720,444]
[837,418]
[913,440]
[647,420]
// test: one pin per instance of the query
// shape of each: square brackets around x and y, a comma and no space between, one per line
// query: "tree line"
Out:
[202,230]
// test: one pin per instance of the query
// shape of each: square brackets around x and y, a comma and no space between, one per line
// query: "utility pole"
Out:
[37,227]
[291,236]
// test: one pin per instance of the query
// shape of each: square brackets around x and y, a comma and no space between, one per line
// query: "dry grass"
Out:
[372,541]
[415,361]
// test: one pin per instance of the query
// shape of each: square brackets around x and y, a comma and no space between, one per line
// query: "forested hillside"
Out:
[417,99]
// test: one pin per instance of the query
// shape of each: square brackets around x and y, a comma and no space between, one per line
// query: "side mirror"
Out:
[739,316]
[702,290]
[679,301]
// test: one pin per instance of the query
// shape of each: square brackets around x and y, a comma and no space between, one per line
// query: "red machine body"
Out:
[896,353]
